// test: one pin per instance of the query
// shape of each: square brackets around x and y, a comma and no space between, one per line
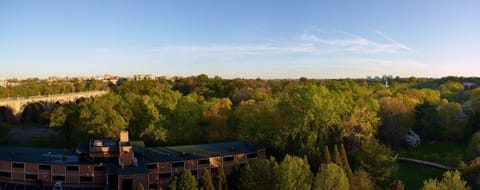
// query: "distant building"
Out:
[3,83]
[469,85]
[118,164]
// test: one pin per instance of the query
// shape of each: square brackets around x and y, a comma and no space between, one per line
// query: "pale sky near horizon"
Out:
[247,39]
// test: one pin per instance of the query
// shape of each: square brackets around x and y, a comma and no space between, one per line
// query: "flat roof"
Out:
[38,155]
[199,151]
[150,155]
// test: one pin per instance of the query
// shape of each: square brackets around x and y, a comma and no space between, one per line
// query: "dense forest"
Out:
[320,134]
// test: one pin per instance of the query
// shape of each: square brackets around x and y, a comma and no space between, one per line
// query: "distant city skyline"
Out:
[244,39]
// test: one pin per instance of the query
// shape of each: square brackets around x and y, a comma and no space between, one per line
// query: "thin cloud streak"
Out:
[257,49]
[358,44]
[307,43]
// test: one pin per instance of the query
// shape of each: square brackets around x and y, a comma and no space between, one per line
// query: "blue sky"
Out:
[247,39]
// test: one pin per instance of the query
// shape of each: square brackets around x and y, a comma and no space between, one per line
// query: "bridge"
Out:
[11,109]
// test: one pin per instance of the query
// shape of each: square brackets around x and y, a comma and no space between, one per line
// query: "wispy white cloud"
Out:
[307,43]
[308,54]
[254,49]
[357,44]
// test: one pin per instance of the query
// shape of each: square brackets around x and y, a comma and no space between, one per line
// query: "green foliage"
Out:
[183,120]
[428,124]
[65,118]
[345,164]
[100,118]
[140,186]
[470,172]
[221,180]
[396,185]
[182,180]
[473,149]
[331,177]
[413,174]
[360,180]
[450,180]
[258,174]
[260,122]
[398,116]
[447,153]
[310,113]
[234,177]
[326,155]
[336,156]
[376,159]
[293,173]
[206,181]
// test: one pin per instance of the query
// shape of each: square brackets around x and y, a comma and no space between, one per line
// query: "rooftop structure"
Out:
[119,164]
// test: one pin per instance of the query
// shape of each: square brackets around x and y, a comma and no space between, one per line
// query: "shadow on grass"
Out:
[413,175]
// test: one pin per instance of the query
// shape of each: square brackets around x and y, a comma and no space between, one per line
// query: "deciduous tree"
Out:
[331,177]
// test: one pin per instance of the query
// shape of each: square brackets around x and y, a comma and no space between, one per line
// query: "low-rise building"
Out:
[119,164]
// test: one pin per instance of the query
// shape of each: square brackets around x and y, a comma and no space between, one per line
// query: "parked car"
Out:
[58,185]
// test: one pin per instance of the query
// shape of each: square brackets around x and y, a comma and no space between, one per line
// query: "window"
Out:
[214,170]
[178,164]
[58,178]
[151,166]
[18,165]
[86,178]
[153,186]
[5,174]
[164,175]
[44,167]
[252,155]
[72,168]
[228,158]
[194,172]
[30,176]
[99,168]
[205,161]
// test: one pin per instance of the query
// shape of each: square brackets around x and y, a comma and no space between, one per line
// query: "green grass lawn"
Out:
[413,175]
[446,153]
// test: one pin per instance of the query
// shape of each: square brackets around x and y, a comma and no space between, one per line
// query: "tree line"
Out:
[302,119]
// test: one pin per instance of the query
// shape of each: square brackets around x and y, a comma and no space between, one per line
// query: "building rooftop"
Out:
[147,155]
[40,155]
[190,152]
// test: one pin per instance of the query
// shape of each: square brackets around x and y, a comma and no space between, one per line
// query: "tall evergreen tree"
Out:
[258,174]
[345,163]
[360,180]
[327,158]
[221,179]
[292,174]
[336,157]
[182,180]
[206,181]
[234,177]
[331,177]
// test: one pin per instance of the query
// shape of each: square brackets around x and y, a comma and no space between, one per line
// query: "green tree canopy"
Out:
[360,180]
[206,181]
[331,177]
[182,180]
[450,180]
[258,174]
[376,159]
[293,173]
